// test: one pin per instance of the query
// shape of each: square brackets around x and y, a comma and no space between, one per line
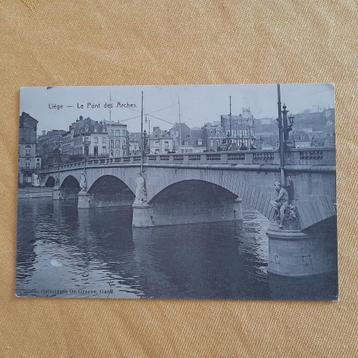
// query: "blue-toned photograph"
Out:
[177,192]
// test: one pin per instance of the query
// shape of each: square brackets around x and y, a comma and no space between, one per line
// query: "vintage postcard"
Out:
[177,192]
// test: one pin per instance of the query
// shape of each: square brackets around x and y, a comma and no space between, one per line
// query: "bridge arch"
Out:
[109,184]
[191,201]
[70,184]
[193,190]
[247,186]
[50,182]
[254,189]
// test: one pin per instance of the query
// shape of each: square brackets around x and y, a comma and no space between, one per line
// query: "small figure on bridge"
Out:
[83,181]
[280,204]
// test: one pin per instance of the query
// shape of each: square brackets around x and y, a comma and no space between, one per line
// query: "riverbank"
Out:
[34,192]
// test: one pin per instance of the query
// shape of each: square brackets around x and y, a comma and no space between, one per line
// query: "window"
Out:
[104,140]
[118,133]
[28,150]
[117,143]
[28,163]
[95,140]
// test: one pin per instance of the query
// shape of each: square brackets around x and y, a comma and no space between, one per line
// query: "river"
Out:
[66,252]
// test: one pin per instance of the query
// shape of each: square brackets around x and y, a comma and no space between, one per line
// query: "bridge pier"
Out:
[237,209]
[85,200]
[143,216]
[56,194]
[295,253]
[142,211]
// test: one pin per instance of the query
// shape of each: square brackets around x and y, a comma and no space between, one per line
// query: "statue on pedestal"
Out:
[83,181]
[140,191]
[285,211]
[280,204]
[57,179]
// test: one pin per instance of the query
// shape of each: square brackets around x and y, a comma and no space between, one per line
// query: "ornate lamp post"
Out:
[145,142]
[280,135]
[285,124]
[141,137]
[288,122]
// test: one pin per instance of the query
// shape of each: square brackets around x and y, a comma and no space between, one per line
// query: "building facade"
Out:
[134,143]
[117,139]
[180,133]
[90,138]
[160,142]
[196,137]
[29,161]
[239,130]
[67,144]
[49,146]
[188,149]
[212,136]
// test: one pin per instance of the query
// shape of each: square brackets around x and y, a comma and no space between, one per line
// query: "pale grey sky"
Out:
[199,104]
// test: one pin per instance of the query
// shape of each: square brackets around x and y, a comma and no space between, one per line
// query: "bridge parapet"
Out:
[311,156]
[302,156]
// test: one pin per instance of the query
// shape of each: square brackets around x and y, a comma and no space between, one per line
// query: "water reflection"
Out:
[201,261]
[96,253]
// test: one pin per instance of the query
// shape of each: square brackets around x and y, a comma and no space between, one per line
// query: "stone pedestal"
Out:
[85,200]
[294,253]
[142,216]
[56,194]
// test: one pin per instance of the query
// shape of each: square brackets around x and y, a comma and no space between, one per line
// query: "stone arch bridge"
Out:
[246,177]
[189,188]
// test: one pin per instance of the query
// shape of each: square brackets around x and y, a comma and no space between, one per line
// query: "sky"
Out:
[198,104]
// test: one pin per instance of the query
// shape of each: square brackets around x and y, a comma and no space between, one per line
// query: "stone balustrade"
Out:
[294,157]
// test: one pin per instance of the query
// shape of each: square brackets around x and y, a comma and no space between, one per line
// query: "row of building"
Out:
[29,160]
[87,138]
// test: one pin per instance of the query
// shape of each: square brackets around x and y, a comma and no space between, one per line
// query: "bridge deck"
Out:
[306,159]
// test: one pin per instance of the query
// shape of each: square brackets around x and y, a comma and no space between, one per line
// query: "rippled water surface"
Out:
[65,252]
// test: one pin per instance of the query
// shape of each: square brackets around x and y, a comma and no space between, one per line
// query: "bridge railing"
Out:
[242,157]
[311,156]
[297,156]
